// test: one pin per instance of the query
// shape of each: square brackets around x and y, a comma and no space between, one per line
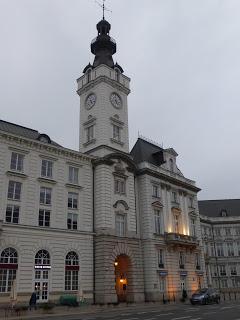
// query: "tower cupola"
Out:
[103,46]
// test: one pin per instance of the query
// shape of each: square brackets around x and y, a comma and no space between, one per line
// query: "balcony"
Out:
[181,240]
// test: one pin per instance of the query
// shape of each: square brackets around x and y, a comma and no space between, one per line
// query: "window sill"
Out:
[16,174]
[47,180]
[72,185]
[89,142]
[15,200]
[117,142]
[45,205]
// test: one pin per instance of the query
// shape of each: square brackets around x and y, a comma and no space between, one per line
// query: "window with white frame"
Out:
[158,220]
[116,132]
[193,226]
[8,270]
[233,269]
[162,284]
[219,249]
[72,200]
[44,218]
[12,213]
[230,249]
[119,185]
[14,190]
[45,195]
[16,162]
[160,254]
[120,221]
[181,260]
[72,221]
[73,174]
[155,191]
[222,270]
[47,169]
[89,133]
[71,271]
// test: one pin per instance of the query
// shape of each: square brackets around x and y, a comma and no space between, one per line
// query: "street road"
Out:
[168,312]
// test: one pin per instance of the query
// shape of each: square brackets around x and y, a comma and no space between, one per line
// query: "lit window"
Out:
[116,133]
[45,195]
[16,161]
[120,185]
[46,170]
[71,271]
[14,190]
[8,270]
[72,221]
[89,133]
[158,221]
[72,200]
[12,214]
[44,218]
[120,225]
[73,175]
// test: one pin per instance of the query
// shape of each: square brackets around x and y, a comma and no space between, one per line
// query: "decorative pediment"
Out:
[121,202]
[157,204]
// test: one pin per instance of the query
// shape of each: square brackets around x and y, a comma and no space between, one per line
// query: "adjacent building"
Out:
[104,222]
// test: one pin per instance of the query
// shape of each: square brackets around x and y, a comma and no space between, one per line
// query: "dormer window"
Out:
[171,165]
[223,213]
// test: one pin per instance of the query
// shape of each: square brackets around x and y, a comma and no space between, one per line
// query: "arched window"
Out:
[42,258]
[8,268]
[71,271]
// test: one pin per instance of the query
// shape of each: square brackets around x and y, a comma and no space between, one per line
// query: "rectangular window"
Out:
[6,279]
[193,227]
[12,214]
[162,284]
[89,133]
[120,225]
[230,249]
[72,200]
[155,191]
[71,280]
[44,218]
[214,271]
[119,185]
[238,248]
[228,231]
[45,195]
[72,221]
[73,175]
[197,261]
[219,248]
[222,270]
[181,260]
[16,162]
[160,258]
[46,170]
[217,232]
[212,249]
[190,202]
[224,283]
[237,231]
[14,190]
[233,269]
[174,197]
[158,221]
[116,133]
[176,221]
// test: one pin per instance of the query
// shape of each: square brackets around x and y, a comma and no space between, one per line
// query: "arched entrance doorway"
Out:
[123,277]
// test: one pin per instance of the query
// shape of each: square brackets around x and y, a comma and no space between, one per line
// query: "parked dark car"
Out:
[205,296]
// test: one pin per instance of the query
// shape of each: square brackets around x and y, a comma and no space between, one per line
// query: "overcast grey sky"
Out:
[183,58]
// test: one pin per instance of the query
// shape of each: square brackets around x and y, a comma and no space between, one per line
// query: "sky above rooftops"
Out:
[183,60]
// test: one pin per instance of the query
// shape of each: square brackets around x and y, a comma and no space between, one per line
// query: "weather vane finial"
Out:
[103,7]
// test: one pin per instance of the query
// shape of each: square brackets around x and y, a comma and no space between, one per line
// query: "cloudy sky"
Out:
[183,58]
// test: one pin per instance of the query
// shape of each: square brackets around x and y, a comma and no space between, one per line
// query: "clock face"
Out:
[116,100]
[90,101]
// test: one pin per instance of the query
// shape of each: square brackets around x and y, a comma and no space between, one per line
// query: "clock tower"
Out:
[103,91]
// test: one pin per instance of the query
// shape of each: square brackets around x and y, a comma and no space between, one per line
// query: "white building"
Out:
[105,223]
[220,224]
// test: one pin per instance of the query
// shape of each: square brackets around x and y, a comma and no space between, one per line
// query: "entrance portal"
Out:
[123,277]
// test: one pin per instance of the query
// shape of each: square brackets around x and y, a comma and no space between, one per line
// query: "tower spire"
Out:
[104,8]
